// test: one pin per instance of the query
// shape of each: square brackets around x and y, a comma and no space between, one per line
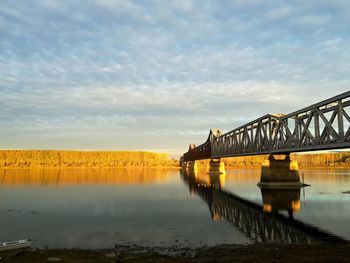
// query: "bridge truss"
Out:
[321,126]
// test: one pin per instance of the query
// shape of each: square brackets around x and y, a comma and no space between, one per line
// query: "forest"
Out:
[329,159]
[314,160]
[56,158]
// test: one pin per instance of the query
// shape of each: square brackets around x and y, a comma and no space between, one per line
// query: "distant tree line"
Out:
[331,159]
[54,158]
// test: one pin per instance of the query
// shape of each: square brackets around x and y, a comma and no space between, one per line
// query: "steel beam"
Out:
[308,129]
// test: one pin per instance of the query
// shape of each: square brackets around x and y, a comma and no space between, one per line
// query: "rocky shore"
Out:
[226,253]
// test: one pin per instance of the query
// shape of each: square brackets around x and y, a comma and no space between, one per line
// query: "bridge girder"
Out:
[321,126]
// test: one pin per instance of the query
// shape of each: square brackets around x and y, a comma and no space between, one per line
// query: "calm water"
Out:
[96,208]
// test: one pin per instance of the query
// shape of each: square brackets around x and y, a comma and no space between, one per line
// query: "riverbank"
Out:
[223,253]
[332,160]
[304,160]
[122,159]
[83,159]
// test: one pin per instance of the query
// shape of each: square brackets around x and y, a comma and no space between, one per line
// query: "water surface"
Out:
[98,208]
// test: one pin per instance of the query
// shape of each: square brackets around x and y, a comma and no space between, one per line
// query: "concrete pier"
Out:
[216,166]
[217,173]
[279,173]
[208,173]
[192,165]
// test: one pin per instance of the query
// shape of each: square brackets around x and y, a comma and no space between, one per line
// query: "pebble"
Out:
[110,255]
[54,259]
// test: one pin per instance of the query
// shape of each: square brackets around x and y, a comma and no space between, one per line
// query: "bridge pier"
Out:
[217,172]
[191,165]
[216,166]
[279,173]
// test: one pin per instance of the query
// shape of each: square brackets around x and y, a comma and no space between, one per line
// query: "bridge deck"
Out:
[321,126]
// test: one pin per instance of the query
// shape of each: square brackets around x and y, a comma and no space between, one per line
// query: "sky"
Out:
[157,75]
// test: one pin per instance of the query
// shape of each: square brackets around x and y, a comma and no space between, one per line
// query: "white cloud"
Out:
[281,12]
[179,67]
[312,20]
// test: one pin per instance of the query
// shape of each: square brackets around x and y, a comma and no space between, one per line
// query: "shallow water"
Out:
[98,208]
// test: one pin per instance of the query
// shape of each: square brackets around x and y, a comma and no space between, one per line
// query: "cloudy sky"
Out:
[157,75]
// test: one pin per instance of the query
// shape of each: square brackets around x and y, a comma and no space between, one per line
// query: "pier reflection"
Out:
[276,200]
[262,224]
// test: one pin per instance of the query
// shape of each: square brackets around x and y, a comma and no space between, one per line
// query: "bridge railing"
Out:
[321,126]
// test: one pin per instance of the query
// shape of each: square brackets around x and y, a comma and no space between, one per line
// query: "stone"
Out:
[54,259]
[110,255]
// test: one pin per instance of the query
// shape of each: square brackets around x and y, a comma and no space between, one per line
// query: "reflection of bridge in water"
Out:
[260,223]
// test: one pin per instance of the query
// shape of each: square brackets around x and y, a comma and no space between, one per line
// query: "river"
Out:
[99,208]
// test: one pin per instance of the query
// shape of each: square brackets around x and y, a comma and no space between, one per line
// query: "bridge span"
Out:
[321,126]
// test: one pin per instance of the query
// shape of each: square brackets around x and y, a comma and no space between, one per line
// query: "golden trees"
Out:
[52,158]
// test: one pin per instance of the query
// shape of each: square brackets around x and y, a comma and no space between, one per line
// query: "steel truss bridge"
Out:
[250,219]
[321,126]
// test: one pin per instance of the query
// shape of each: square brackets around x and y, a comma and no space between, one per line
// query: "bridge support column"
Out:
[191,165]
[183,165]
[279,173]
[217,172]
[216,166]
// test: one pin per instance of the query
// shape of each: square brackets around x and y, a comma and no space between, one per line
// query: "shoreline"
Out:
[160,167]
[90,167]
[221,253]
